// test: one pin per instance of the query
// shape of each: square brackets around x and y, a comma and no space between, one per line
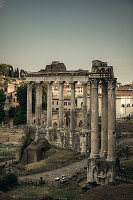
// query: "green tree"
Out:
[10,71]
[11,112]
[25,144]
[4,69]
[20,116]
[7,181]
[2,102]
[22,96]
[44,96]
[21,111]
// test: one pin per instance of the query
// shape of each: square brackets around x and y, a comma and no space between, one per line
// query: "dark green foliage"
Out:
[20,116]
[124,152]
[4,69]
[11,112]
[8,71]
[33,98]
[21,111]
[7,181]
[44,96]
[25,144]
[2,115]
[2,98]
[67,116]
[2,102]
[16,73]
[45,146]
[22,96]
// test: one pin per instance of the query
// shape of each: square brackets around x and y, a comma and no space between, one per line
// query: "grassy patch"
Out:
[28,191]
[56,158]
[127,167]
[6,153]
[68,191]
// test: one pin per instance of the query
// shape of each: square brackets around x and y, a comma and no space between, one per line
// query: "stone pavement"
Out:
[68,171]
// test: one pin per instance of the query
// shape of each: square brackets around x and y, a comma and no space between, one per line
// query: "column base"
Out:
[49,128]
[72,131]
[111,159]
[100,171]
[60,129]
[103,154]
[85,130]
[94,156]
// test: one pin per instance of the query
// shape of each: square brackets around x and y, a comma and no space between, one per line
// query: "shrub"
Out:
[26,143]
[7,181]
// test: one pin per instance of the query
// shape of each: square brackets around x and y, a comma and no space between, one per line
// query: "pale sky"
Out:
[33,33]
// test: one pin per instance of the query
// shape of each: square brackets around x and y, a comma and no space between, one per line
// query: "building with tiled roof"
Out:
[124,99]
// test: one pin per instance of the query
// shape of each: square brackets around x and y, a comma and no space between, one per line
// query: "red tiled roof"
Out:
[124,93]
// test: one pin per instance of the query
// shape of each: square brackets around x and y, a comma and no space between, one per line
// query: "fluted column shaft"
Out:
[49,104]
[85,89]
[61,104]
[29,103]
[104,119]
[38,107]
[94,119]
[111,121]
[72,111]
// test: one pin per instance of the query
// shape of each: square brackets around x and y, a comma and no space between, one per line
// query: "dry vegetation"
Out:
[10,139]
[55,158]
[119,192]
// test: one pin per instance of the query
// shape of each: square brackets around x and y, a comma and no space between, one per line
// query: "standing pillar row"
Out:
[61,104]
[38,105]
[85,89]
[72,111]
[111,121]
[108,120]
[104,119]
[49,104]
[94,119]
[29,103]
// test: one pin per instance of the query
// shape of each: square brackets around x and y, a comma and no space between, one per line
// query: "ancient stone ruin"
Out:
[101,163]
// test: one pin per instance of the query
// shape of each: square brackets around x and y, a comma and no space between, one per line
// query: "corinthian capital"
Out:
[94,83]
[112,84]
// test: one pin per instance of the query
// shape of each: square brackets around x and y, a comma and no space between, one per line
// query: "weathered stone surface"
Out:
[55,67]
[35,152]
[101,171]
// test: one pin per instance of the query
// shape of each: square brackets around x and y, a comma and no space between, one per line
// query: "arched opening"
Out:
[55,124]
[80,123]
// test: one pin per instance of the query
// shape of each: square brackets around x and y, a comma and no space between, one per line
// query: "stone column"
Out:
[61,105]
[38,107]
[104,119]
[94,119]
[111,121]
[72,111]
[85,89]
[29,103]
[49,104]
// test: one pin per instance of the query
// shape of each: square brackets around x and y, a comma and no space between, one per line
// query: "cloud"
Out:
[2,3]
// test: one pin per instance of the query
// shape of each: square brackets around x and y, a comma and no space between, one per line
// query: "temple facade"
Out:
[100,73]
